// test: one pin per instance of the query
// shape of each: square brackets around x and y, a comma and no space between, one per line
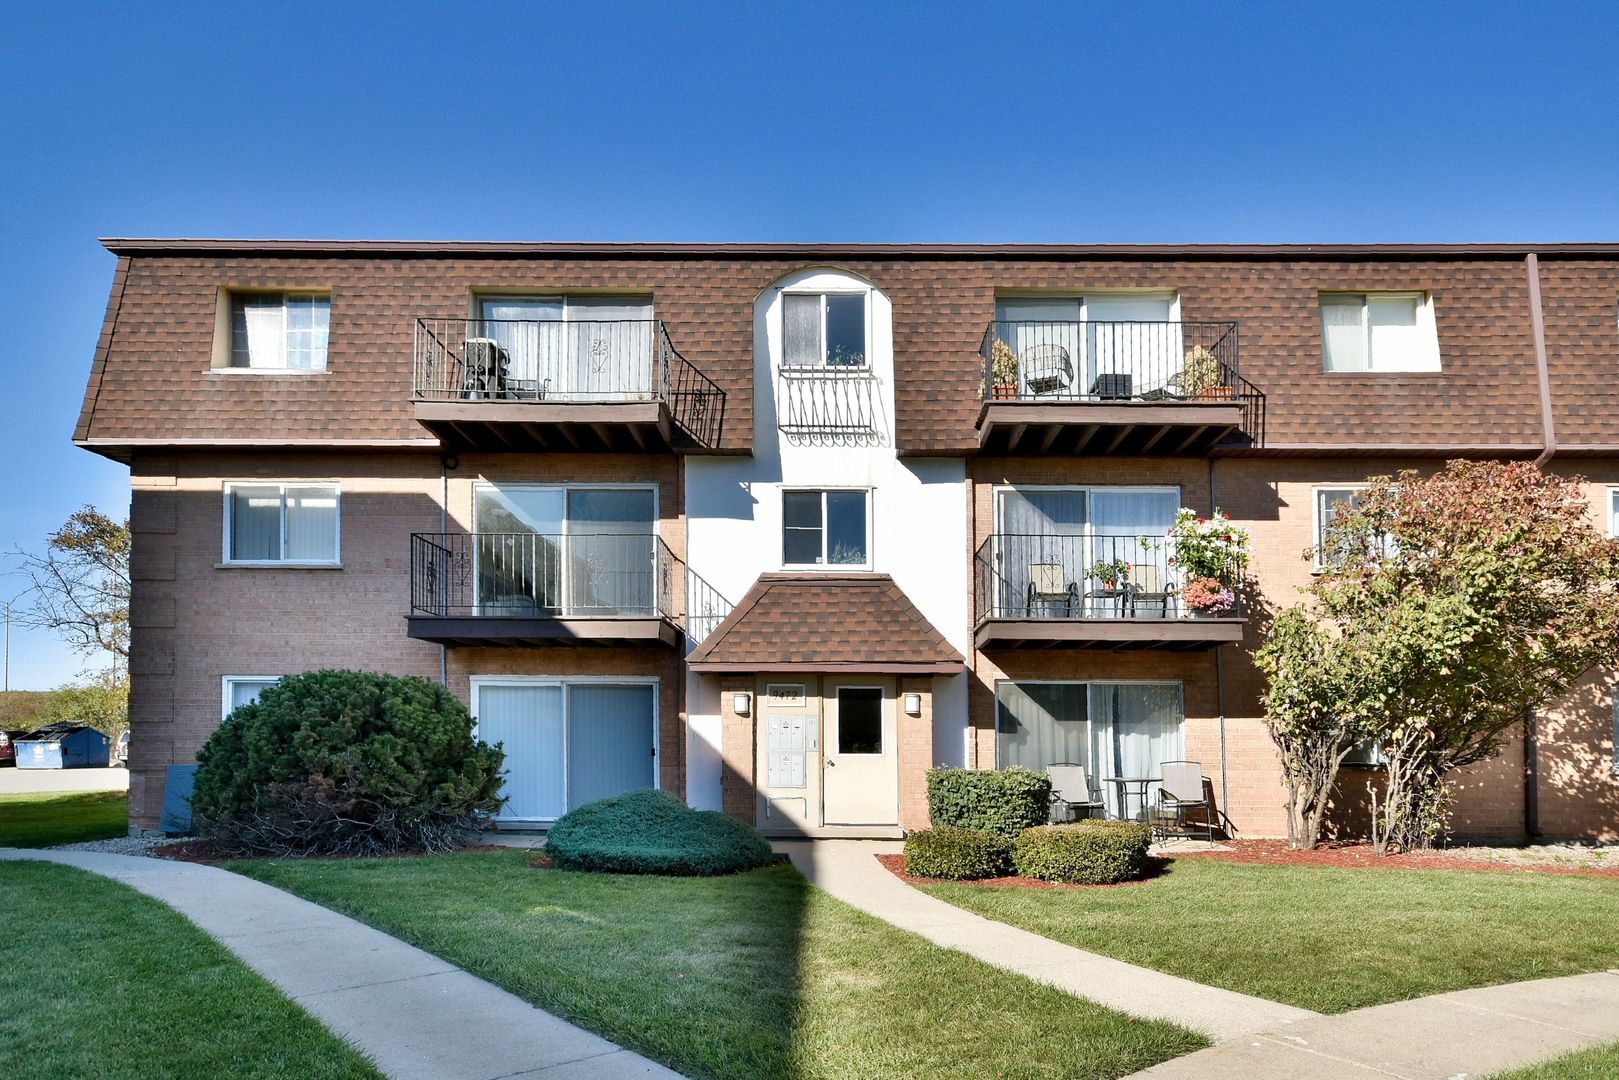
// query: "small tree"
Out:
[1456,604]
[102,704]
[80,587]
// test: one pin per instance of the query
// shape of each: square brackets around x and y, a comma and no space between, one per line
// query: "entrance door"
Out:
[860,776]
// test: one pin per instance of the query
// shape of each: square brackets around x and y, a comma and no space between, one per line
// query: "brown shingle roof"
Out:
[826,622]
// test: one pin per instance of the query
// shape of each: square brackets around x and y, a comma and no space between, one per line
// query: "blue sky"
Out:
[833,121]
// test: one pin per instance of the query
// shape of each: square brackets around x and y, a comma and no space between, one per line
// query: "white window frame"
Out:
[825,365]
[1089,490]
[228,682]
[1614,693]
[478,682]
[232,296]
[1613,511]
[824,564]
[1428,363]
[1317,522]
[337,525]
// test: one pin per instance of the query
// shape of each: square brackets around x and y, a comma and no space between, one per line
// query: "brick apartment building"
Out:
[777,527]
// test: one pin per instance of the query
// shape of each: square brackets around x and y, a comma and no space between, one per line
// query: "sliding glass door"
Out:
[1056,549]
[568,742]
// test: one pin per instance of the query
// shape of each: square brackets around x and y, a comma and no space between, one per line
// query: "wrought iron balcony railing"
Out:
[830,406]
[1119,363]
[560,576]
[627,360]
[1112,575]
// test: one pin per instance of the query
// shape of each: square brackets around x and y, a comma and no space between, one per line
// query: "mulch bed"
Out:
[896,866]
[1362,856]
[1277,853]
[201,851]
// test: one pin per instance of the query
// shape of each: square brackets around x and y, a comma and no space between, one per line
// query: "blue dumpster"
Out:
[63,746]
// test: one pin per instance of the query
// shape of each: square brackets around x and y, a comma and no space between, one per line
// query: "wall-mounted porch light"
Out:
[913,704]
[741,702]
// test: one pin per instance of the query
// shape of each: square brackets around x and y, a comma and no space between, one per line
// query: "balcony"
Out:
[572,386]
[1167,388]
[555,589]
[1092,591]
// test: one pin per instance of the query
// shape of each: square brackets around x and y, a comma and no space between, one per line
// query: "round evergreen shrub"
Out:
[345,762]
[1084,853]
[956,854]
[653,832]
[1004,801]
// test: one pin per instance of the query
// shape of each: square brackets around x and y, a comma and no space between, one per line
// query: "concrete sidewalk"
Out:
[413,1014]
[15,781]
[1467,1033]
[849,871]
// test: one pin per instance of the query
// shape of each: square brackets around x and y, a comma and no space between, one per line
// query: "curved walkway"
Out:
[413,1014]
[849,871]
[1466,1033]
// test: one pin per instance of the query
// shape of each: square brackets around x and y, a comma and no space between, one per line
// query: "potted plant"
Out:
[1112,573]
[1002,371]
[1201,375]
[1209,554]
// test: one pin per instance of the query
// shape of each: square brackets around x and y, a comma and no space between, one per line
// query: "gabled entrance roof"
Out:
[827,623]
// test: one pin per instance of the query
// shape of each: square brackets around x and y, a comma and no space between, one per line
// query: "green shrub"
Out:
[653,832]
[345,762]
[1084,853]
[957,854]
[1006,801]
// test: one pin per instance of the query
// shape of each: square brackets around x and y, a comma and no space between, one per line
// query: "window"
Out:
[1113,729]
[824,330]
[589,348]
[565,551]
[1615,745]
[1378,332]
[1328,501]
[1613,511]
[860,720]
[1366,754]
[279,331]
[821,528]
[245,689]
[281,523]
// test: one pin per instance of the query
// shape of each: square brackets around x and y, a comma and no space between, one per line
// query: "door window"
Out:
[860,720]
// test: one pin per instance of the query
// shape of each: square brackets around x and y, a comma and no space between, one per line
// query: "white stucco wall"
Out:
[918,519]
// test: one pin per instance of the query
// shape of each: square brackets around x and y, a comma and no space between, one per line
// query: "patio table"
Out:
[1123,784]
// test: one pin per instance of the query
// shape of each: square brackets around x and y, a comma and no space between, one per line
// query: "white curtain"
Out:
[247,691]
[255,523]
[1396,341]
[609,741]
[1131,339]
[611,570]
[1135,728]
[801,330]
[1038,332]
[311,516]
[1040,724]
[1039,528]
[529,329]
[610,347]
[1343,333]
[258,331]
[1130,525]
[528,722]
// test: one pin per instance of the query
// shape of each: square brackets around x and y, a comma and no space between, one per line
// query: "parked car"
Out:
[8,746]
[120,749]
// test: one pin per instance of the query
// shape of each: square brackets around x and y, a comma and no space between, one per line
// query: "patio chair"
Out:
[1071,796]
[483,371]
[1049,584]
[1181,789]
[1148,592]
[1047,368]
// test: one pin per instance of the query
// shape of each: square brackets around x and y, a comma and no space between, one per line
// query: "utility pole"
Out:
[8,647]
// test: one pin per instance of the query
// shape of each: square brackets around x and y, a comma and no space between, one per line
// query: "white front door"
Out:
[860,774]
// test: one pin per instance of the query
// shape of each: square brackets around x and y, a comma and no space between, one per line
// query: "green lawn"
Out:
[753,975]
[41,819]
[1327,939]
[1599,1063]
[98,980]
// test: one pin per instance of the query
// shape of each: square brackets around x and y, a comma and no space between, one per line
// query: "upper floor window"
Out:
[820,528]
[824,330]
[279,331]
[281,524]
[1378,332]
[589,348]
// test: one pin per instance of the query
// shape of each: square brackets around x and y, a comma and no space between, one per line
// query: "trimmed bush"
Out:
[956,854]
[1084,853]
[345,762]
[1005,801]
[652,832]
